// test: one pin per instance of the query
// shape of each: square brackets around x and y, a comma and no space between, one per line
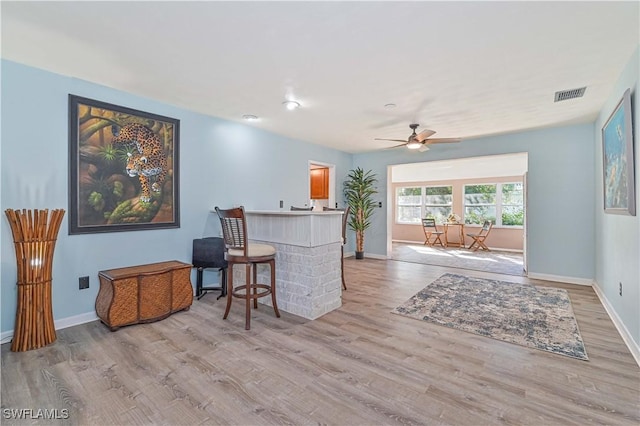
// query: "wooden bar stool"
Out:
[238,250]
[345,218]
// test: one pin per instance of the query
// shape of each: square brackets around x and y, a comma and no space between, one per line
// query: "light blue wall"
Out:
[221,163]
[561,193]
[225,163]
[618,237]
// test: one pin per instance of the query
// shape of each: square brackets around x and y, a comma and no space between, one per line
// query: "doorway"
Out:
[322,183]
[474,189]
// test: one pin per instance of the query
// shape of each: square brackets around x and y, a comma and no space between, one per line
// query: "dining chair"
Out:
[238,250]
[345,218]
[430,229]
[478,239]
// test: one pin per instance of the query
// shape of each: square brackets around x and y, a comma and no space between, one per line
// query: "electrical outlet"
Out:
[380,204]
[620,288]
[83,282]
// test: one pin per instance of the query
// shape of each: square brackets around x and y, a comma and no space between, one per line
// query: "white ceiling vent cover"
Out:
[563,95]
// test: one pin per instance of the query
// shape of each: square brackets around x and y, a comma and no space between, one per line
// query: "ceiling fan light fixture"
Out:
[291,105]
[414,144]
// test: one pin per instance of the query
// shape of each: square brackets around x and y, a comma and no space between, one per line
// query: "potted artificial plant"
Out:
[359,189]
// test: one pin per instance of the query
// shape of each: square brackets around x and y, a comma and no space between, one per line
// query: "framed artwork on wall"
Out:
[618,160]
[123,168]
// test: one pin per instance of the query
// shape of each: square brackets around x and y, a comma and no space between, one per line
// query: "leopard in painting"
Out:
[153,172]
[149,163]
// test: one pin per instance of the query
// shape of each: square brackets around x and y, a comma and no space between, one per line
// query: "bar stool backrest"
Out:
[234,228]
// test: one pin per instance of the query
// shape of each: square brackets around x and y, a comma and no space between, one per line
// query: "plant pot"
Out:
[359,255]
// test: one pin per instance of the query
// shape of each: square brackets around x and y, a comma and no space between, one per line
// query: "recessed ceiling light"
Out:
[390,106]
[291,105]
[250,117]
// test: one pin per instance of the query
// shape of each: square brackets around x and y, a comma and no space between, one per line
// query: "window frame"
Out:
[423,210]
[498,204]
[422,204]
[398,205]
[502,205]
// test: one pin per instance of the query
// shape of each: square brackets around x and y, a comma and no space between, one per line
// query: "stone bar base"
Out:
[308,280]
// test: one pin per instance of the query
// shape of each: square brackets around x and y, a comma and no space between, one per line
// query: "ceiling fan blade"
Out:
[442,140]
[396,146]
[392,140]
[424,134]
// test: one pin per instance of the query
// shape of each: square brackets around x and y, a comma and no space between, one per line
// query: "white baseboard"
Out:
[407,242]
[6,336]
[370,255]
[634,348]
[561,279]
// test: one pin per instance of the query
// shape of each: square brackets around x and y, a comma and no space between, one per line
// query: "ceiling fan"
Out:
[420,140]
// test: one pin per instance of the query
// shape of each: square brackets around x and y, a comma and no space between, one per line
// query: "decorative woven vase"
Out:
[35,239]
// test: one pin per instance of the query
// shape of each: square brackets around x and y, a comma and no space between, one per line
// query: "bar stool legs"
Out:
[272,264]
[249,291]
[238,250]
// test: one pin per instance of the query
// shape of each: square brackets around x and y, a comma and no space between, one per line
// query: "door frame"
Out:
[391,212]
[332,180]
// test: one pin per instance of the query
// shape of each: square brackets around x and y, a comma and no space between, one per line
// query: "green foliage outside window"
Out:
[512,204]
[480,203]
[512,216]
[437,202]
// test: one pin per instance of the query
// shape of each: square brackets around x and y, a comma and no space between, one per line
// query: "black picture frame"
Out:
[618,171]
[123,168]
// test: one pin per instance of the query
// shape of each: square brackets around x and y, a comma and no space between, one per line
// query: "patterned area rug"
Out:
[527,315]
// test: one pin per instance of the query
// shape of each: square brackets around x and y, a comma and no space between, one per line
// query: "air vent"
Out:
[569,94]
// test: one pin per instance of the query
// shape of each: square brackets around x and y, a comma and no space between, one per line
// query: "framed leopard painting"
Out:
[123,168]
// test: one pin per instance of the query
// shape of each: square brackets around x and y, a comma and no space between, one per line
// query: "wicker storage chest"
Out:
[143,293]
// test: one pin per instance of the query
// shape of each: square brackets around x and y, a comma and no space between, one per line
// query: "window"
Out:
[502,204]
[479,204]
[512,204]
[414,203]
[438,201]
[408,202]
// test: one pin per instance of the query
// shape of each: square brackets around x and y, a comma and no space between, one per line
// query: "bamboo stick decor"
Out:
[34,237]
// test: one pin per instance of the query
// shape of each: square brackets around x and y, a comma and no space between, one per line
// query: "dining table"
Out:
[460,228]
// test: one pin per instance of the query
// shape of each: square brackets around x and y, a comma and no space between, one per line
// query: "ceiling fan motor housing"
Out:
[413,135]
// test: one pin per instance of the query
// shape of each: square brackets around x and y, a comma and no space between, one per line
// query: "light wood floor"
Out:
[359,365]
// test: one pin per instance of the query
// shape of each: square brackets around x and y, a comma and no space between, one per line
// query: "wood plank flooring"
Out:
[359,365]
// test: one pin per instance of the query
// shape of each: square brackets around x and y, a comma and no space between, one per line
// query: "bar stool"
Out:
[238,250]
[345,218]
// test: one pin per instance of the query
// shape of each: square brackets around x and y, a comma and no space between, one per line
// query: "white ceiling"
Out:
[463,69]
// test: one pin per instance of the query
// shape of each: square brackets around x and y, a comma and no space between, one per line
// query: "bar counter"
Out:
[307,243]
